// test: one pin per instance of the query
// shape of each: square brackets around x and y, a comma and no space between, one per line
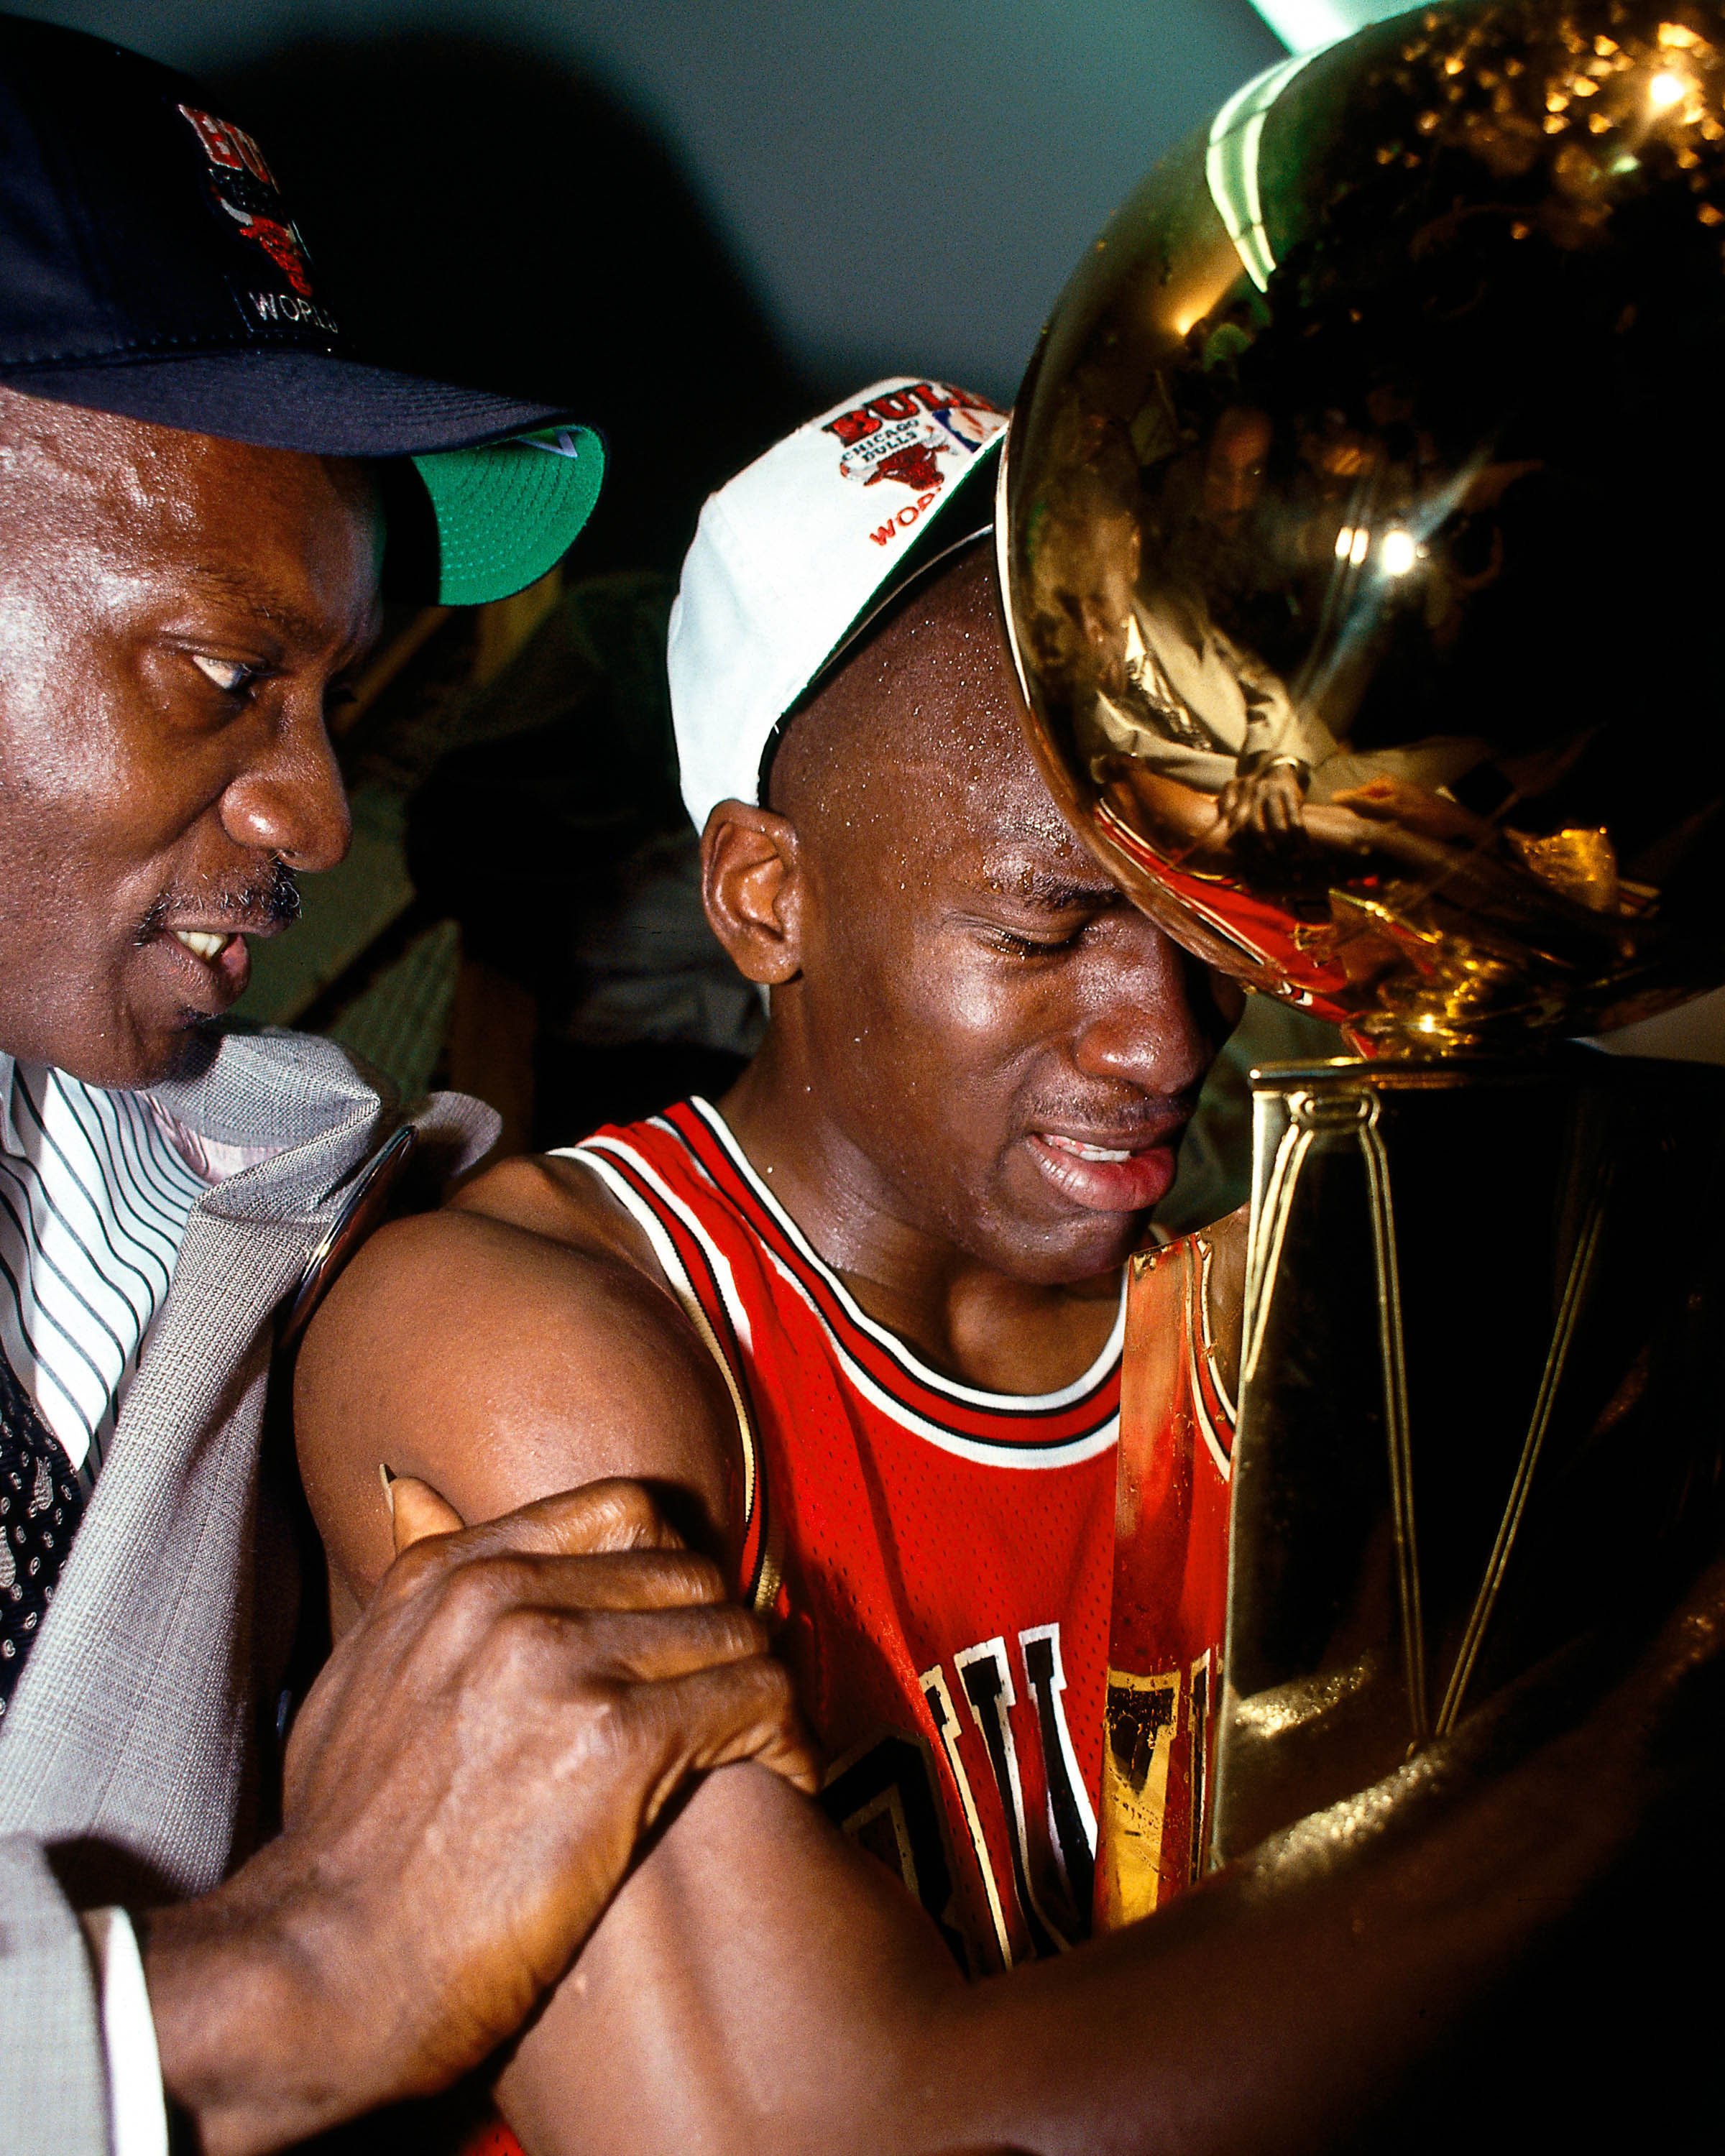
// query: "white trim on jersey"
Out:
[983,1452]
[1015,1403]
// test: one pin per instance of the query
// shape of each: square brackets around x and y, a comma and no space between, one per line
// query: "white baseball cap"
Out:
[795,557]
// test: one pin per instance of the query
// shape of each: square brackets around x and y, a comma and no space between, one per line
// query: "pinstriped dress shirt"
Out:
[95,1190]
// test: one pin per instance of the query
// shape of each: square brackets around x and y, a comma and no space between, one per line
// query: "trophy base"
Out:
[1480,1394]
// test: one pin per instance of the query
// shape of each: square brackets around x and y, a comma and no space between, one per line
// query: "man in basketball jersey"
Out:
[859,1323]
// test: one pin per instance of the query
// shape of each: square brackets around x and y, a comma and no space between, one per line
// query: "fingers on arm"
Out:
[612,1514]
[715,1714]
[744,1710]
[685,1689]
[479,1588]
[706,1694]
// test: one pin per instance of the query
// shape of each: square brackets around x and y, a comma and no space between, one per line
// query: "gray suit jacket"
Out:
[124,1749]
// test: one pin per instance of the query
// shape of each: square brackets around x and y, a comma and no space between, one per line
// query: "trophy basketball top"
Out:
[1361,528]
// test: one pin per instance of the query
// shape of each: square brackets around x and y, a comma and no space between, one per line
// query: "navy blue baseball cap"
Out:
[151,266]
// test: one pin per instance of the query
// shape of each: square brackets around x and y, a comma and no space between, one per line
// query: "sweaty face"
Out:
[1005,1039]
[176,614]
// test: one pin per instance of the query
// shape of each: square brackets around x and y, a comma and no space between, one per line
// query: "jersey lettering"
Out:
[1141,1715]
[988,1685]
[939,1697]
[1156,1783]
[1072,1824]
[1008,1727]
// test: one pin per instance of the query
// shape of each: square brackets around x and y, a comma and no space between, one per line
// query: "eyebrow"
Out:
[1043,891]
[270,607]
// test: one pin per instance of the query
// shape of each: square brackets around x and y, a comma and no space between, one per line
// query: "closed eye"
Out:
[1034,946]
[232,676]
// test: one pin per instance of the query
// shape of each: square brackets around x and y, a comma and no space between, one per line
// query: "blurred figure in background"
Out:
[558,839]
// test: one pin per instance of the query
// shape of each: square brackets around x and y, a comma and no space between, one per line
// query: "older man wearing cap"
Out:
[197,484]
[862,1316]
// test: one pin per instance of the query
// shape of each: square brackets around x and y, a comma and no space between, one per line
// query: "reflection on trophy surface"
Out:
[1359,504]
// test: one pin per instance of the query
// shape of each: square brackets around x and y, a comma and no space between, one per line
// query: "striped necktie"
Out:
[41,1500]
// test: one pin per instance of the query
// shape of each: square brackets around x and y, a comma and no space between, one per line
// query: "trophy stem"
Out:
[1267,1234]
[1392,1348]
[1479,1398]
[1575,1292]
[1353,1115]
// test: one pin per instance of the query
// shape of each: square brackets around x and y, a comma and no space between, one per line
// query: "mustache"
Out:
[269,902]
[1117,1118]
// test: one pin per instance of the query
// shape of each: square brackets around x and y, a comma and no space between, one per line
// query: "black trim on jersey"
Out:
[1100,1384]
[1071,1839]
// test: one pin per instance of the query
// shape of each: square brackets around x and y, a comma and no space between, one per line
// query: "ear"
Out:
[752,890]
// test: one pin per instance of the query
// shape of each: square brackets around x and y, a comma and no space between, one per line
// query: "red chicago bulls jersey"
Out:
[939,1560]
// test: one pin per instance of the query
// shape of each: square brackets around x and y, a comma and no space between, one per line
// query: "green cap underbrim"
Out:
[508,513]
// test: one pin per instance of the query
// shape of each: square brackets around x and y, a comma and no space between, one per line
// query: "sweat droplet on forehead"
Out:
[919,738]
[1047,877]
[1007,801]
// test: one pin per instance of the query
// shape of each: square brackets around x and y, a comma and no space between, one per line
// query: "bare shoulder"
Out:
[515,1343]
[549,1195]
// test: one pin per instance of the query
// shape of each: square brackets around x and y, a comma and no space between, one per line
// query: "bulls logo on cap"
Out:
[245,190]
[903,434]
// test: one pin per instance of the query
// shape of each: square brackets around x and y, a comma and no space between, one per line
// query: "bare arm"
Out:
[760,1986]
[492,1361]
[505,1715]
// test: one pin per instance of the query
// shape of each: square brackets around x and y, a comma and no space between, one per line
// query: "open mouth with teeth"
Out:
[202,944]
[1109,1178]
[209,969]
[1084,1152]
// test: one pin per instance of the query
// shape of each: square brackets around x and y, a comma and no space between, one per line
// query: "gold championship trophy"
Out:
[1362,539]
